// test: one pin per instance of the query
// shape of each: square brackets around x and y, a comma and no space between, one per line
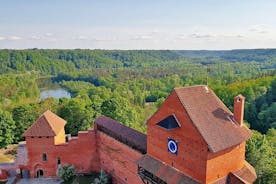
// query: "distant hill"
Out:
[47,61]
[236,55]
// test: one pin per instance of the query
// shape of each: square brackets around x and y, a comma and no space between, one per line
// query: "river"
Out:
[49,89]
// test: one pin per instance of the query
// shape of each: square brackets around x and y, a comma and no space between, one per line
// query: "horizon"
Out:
[144,25]
[92,49]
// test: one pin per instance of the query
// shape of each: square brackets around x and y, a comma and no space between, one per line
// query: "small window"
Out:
[32,137]
[169,122]
[47,137]
[39,137]
[44,157]
[58,161]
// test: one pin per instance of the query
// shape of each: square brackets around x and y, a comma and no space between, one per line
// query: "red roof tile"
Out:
[48,124]
[163,171]
[212,118]
[246,174]
[124,134]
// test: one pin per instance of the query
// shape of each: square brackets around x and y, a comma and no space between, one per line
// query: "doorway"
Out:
[39,173]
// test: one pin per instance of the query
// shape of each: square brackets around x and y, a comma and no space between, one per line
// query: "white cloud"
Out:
[104,39]
[199,35]
[49,34]
[81,37]
[15,38]
[34,37]
[261,29]
[142,37]
[2,38]
[182,36]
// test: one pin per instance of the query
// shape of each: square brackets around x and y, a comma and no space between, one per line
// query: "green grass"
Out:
[6,158]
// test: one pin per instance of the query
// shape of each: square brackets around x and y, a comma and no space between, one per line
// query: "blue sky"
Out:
[138,24]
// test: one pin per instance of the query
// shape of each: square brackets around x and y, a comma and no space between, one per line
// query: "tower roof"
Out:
[48,124]
[212,118]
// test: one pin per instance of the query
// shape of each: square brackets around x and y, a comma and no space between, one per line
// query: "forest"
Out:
[129,86]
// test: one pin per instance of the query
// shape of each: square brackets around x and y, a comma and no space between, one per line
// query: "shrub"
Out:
[102,179]
[66,172]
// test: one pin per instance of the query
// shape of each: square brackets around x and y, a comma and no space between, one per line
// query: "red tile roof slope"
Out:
[164,172]
[247,173]
[48,124]
[123,133]
[212,118]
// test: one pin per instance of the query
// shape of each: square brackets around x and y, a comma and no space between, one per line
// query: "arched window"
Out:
[58,161]
[44,157]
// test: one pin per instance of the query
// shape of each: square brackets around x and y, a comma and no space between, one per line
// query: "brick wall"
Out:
[192,149]
[118,159]
[60,138]
[90,151]
[222,163]
[79,151]
[193,157]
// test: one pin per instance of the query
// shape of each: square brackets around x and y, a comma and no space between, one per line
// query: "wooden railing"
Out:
[149,178]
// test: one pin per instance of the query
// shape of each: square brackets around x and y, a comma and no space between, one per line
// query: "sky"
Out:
[138,24]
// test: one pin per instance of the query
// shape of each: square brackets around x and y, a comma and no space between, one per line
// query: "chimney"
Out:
[239,109]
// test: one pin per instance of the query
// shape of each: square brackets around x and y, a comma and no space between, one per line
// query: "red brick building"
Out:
[192,138]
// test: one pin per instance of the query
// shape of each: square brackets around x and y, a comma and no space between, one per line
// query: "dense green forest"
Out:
[130,85]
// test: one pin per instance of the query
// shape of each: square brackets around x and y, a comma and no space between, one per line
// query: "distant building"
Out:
[192,138]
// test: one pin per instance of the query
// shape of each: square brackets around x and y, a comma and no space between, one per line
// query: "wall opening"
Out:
[44,157]
[39,173]
[58,161]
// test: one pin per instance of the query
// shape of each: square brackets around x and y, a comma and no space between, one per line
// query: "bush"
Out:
[102,179]
[66,172]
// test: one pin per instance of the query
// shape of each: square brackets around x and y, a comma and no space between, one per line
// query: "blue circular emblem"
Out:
[172,146]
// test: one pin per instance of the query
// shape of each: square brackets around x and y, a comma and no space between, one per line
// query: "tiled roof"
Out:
[48,124]
[212,118]
[164,172]
[245,175]
[124,134]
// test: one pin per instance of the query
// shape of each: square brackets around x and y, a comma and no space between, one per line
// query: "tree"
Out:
[268,117]
[24,116]
[259,153]
[67,172]
[7,127]
[78,115]
[119,109]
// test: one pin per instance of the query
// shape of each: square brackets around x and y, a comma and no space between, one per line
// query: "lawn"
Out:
[8,154]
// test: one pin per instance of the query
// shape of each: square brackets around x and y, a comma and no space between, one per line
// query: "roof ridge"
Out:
[47,120]
[199,85]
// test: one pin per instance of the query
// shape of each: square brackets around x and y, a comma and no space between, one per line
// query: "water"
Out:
[55,93]
[49,89]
